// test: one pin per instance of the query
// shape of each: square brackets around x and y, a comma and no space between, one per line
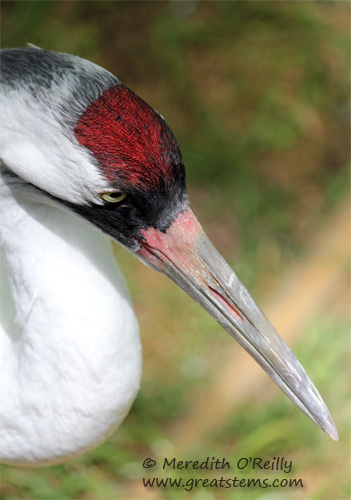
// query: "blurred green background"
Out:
[257,94]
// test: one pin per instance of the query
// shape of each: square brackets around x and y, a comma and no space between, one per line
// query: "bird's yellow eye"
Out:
[113,197]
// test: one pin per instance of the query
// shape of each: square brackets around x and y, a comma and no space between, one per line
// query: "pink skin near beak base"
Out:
[176,247]
[174,244]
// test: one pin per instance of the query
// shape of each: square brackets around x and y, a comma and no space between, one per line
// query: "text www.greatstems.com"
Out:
[190,484]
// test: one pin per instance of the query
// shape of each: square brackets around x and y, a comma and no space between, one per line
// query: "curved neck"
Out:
[76,339]
[59,267]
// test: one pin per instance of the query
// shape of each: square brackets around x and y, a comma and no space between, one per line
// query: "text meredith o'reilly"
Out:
[254,463]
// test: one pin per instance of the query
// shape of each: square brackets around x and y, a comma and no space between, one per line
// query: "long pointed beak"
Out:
[185,254]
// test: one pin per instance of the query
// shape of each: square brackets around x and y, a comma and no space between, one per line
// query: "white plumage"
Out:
[72,370]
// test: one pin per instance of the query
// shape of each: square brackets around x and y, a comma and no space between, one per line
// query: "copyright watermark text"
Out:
[272,466]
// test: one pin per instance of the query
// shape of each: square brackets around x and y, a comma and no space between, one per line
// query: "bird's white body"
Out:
[71,361]
[70,347]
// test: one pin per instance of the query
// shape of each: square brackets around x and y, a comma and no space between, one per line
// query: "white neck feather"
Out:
[72,358]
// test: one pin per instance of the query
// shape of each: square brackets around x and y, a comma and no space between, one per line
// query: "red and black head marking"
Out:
[138,154]
[132,143]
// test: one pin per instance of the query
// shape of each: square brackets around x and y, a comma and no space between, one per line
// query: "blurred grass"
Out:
[258,98]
